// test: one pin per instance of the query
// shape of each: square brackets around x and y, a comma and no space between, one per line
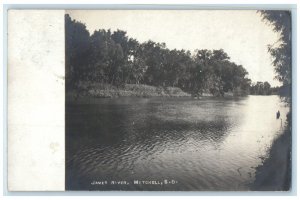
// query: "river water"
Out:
[169,143]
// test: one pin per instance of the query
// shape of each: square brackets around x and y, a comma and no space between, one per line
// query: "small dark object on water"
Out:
[278,114]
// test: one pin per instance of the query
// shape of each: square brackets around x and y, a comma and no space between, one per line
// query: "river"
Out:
[211,144]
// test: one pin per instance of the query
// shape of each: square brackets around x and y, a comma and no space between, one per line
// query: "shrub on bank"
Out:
[127,90]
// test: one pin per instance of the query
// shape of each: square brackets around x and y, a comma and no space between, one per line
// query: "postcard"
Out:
[149,100]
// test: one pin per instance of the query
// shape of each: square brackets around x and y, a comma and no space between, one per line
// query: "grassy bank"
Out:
[128,90]
[275,172]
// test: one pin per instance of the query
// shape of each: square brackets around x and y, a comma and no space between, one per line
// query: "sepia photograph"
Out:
[178,100]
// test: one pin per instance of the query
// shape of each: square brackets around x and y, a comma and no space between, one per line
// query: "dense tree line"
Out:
[114,58]
[261,88]
[264,88]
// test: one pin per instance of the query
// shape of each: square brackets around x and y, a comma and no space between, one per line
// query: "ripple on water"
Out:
[204,145]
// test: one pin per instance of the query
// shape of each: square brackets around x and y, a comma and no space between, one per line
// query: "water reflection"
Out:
[211,144]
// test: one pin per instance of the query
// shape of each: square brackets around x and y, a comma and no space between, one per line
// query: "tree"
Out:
[77,46]
[282,58]
[267,88]
[261,88]
[154,55]
[214,73]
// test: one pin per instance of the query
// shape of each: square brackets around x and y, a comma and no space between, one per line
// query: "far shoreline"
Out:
[88,92]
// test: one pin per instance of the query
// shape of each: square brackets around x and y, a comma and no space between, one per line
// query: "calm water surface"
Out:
[207,144]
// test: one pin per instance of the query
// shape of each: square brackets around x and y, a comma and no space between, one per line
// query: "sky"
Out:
[241,33]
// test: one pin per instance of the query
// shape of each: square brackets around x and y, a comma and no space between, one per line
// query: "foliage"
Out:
[281,50]
[113,58]
[261,88]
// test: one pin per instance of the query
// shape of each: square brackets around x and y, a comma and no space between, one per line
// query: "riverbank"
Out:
[275,172]
[96,90]
[89,90]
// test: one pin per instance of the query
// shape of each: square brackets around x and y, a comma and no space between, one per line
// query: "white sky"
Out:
[241,33]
